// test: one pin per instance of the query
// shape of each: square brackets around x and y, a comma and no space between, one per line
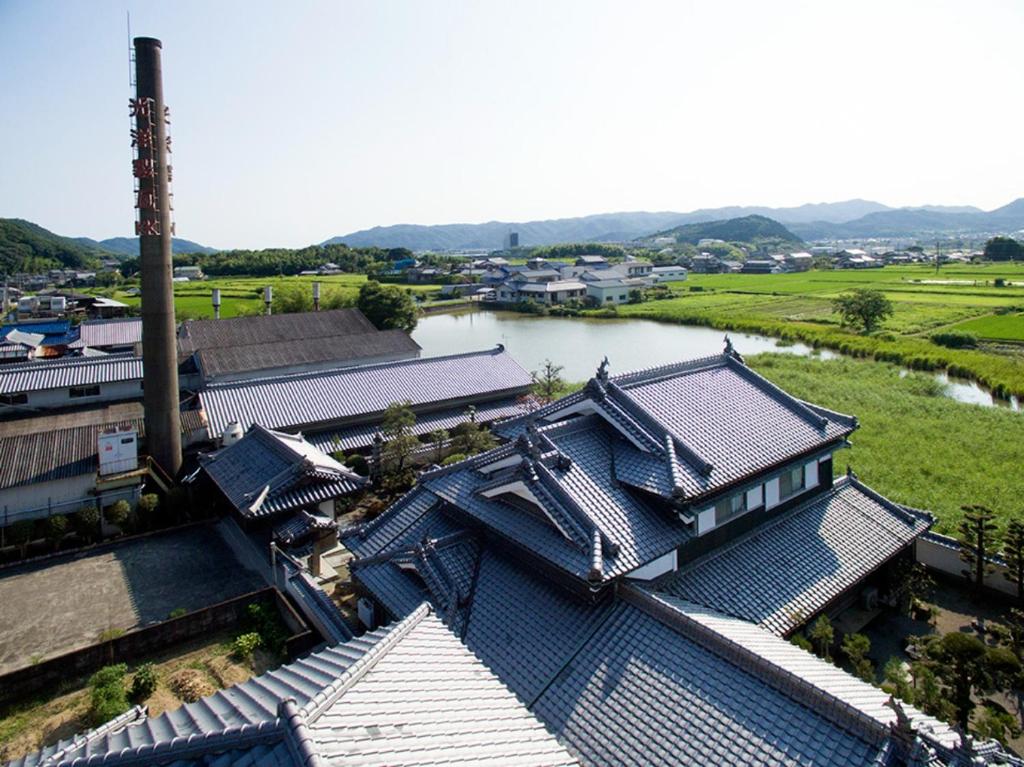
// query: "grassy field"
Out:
[914,445]
[244,295]
[1002,327]
[28,726]
[798,307]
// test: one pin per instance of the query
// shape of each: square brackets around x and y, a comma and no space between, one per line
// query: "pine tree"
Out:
[977,542]
[1013,553]
[822,634]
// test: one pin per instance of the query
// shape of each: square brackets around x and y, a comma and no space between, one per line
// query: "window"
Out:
[84,391]
[793,481]
[622,296]
[609,298]
[730,507]
[14,399]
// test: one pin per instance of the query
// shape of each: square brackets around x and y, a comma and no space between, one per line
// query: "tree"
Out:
[822,634]
[118,513]
[856,648]
[400,442]
[897,680]
[469,437]
[56,528]
[1003,249]
[1013,553]
[548,382]
[961,666]
[977,541]
[911,583]
[863,308]
[438,438]
[388,307]
[21,534]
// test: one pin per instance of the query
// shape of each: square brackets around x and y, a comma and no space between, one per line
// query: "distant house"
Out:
[189,272]
[548,291]
[761,266]
[799,262]
[608,292]
[593,262]
[857,259]
[669,273]
[705,263]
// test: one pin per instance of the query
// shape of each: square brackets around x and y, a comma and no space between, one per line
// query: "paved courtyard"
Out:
[63,604]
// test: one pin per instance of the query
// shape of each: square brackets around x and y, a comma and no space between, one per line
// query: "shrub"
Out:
[117,513]
[146,510]
[108,698]
[358,464]
[453,458]
[802,642]
[86,522]
[177,612]
[245,645]
[268,625]
[955,339]
[144,682]
[21,534]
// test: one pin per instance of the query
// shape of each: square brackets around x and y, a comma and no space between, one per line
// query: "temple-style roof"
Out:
[267,472]
[409,694]
[358,394]
[786,570]
[700,426]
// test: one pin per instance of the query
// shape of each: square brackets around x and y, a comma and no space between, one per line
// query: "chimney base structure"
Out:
[153,225]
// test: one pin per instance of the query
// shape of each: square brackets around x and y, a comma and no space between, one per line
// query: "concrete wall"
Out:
[50,399]
[59,496]
[942,554]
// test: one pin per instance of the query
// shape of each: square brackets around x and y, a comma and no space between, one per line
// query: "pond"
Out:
[579,344]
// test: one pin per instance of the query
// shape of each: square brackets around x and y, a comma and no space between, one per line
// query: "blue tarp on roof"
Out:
[55,333]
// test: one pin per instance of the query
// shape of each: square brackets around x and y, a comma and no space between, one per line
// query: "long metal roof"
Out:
[100,333]
[348,394]
[69,371]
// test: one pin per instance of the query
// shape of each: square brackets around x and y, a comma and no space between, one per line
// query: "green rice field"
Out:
[798,307]
[914,445]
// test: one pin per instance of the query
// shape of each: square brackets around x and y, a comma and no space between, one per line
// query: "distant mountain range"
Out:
[742,229]
[129,246]
[833,220]
[28,247]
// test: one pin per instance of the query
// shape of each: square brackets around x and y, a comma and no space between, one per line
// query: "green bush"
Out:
[107,698]
[358,464]
[955,339]
[268,625]
[86,522]
[144,682]
[177,612]
[56,528]
[117,513]
[453,458]
[245,645]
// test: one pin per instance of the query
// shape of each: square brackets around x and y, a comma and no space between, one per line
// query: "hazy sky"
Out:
[294,122]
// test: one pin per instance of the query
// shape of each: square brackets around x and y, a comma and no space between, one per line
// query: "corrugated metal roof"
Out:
[99,333]
[61,453]
[352,393]
[69,371]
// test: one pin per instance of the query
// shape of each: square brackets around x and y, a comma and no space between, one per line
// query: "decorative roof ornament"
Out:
[602,370]
[730,350]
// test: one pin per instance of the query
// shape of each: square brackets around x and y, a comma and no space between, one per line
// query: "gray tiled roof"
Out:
[397,696]
[69,371]
[710,422]
[363,392]
[268,472]
[639,693]
[781,573]
[100,333]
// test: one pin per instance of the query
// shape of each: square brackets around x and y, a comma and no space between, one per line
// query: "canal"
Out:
[579,344]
